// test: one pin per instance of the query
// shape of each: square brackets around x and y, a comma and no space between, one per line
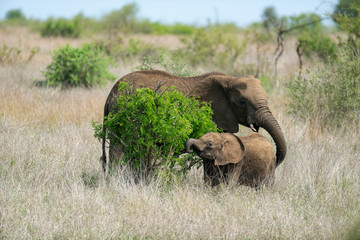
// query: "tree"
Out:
[122,20]
[346,7]
[349,21]
[309,29]
[15,14]
[312,40]
[269,15]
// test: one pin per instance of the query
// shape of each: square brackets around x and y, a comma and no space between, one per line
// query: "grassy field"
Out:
[52,186]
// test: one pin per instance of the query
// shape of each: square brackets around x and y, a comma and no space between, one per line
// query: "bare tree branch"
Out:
[280,35]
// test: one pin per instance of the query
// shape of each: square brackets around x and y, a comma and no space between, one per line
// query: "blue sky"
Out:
[242,12]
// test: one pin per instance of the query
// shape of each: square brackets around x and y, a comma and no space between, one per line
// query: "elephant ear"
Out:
[212,89]
[232,150]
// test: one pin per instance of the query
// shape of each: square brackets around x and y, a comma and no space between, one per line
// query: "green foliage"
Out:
[178,28]
[330,94]
[73,67]
[312,37]
[346,7]
[270,17]
[120,49]
[227,28]
[137,47]
[10,55]
[183,29]
[171,64]
[61,27]
[319,44]
[126,20]
[15,14]
[154,126]
[351,25]
[122,20]
[212,47]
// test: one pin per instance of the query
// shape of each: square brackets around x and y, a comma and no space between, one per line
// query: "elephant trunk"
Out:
[189,143]
[269,123]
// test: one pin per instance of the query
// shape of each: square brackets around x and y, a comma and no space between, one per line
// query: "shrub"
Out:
[122,20]
[351,25]
[73,67]
[134,48]
[15,14]
[171,64]
[154,126]
[346,8]
[10,55]
[212,47]
[179,28]
[61,27]
[331,94]
[312,38]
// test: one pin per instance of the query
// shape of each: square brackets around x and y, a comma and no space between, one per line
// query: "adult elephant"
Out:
[234,100]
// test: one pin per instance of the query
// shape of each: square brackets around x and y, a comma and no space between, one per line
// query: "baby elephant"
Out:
[248,160]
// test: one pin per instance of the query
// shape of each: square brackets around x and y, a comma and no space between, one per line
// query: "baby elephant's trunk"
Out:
[189,143]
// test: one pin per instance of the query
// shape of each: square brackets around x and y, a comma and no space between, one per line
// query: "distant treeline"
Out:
[126,20]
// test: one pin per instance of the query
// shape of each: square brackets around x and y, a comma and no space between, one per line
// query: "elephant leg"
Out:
[116,153]
[234,172]
[214,175]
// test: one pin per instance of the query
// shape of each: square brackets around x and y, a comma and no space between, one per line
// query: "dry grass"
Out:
[52,187]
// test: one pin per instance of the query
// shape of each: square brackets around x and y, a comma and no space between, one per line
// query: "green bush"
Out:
[177,28]
[15,14]
[330,94]
[73,67]
[312,38]
[11,55]
[134,48]
[154,126]
[122,20]
[350,23]
[320,44]
[213,48]
[61,27]
[171,64]
[183,29]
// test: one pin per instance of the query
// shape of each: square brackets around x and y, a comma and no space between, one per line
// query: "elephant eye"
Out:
[242,103]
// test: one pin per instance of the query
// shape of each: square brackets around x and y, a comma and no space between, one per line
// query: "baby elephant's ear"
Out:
[232,150]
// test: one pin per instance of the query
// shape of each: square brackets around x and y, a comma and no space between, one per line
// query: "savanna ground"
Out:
[52,185]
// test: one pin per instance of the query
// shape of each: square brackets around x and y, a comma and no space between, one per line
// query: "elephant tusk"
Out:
[252,128]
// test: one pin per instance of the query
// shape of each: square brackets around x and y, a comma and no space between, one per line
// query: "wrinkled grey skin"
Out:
[227,158]
[234,100]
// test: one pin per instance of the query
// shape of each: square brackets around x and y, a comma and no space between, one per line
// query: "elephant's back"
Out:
[157,80]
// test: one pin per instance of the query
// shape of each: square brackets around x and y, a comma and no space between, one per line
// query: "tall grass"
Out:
[24,103]
[52,186]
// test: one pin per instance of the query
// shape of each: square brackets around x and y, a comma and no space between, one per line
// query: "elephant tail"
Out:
[103,157]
